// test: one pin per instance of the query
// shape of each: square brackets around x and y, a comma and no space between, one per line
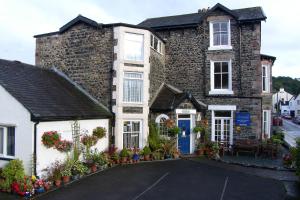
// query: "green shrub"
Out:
[13,171]
[297,153]
[99,132]
[146,151]
[174,131]
[124,153]
[153,138]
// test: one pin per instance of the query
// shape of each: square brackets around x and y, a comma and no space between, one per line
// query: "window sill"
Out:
[220,92]
[214,48]
[7,158]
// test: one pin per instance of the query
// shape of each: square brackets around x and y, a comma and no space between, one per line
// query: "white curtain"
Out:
[133,87]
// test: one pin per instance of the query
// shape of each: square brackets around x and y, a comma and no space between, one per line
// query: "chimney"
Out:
[203,10]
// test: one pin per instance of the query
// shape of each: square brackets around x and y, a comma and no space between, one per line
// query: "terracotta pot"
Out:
[200,152]
[124,159]
[66,179]
[146,157]
[47,187]
[93,168]
[57,183]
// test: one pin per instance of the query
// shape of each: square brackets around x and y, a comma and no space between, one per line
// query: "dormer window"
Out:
[220,35]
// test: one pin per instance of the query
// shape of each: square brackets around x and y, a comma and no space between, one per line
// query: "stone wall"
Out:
[157,72]
[188,66]
[85,54]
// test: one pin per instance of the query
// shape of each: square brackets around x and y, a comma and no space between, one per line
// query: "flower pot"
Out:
[123,159]
[93,168]
[47,187]
[146,157]
[40,190]
[176,156]
[66,179]
[200,152]
[57,183]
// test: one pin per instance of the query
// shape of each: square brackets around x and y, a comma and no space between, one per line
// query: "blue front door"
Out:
[184,140]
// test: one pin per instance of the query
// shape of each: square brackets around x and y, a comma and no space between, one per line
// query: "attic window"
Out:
[220,35]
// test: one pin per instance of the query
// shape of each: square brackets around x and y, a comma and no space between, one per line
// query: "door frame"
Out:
[189,112]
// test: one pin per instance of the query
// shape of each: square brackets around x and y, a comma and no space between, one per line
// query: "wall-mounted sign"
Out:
[242,119]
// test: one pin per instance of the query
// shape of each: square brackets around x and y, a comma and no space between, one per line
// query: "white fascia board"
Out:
[222,107]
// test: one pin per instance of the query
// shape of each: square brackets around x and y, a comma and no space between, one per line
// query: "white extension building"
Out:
[35,100]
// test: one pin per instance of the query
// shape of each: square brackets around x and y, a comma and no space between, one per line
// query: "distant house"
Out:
[294,106]
[35,100]
[280,98]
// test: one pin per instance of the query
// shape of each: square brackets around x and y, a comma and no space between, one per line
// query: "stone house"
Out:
[203,65]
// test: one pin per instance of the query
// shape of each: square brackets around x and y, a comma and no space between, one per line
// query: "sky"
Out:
[20,20]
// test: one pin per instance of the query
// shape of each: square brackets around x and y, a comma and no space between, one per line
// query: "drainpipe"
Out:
[34,147]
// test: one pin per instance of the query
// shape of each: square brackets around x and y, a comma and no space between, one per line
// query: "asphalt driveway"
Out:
[180,179]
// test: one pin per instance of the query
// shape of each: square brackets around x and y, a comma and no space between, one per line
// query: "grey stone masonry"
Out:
[85,54]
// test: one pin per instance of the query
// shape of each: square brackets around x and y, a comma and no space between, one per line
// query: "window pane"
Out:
[11,141]
[133,87]
[151,40]
[224,39]
[1,140]
[135,126]
[264,83]
[224,66]
[134,46]
[225,81]
[217,67]
[155,43]
[217,81]
[216,27]
[222,113]
[216,39]
[224,26]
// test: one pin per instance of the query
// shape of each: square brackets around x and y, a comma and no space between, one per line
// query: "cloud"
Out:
[20,20]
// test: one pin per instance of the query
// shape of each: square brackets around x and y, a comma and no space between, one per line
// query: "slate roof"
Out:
[193,19]
[169,98]
[47,95]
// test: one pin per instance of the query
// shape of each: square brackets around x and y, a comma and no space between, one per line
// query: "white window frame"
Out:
[212,78]
[142,49]
[267,121]
[5,135]
[211,36]
[266,77]
[213,118]
[159,44]
[140,131]
[142,92]
[298,102]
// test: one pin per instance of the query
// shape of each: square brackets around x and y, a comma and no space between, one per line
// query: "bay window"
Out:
[131,134]
[220,35]
[7,141]
[133,87]
[221,78]
[134,47]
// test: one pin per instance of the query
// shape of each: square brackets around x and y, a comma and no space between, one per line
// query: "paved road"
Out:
[291,130]
[181,179]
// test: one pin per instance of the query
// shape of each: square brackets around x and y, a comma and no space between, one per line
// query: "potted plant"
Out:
[99,132]
[63,146]
[146,153]
[174,131]
[50,138]
[93,159]
[47,185]
[198,130]
[176,154]
[78,170]
[200,149]
[135,156]
[124,155]
[166,147]
[39,186]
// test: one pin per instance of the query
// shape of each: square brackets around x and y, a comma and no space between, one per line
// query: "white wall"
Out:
[47,156]
[15,114]
[281,94]
[119,33]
